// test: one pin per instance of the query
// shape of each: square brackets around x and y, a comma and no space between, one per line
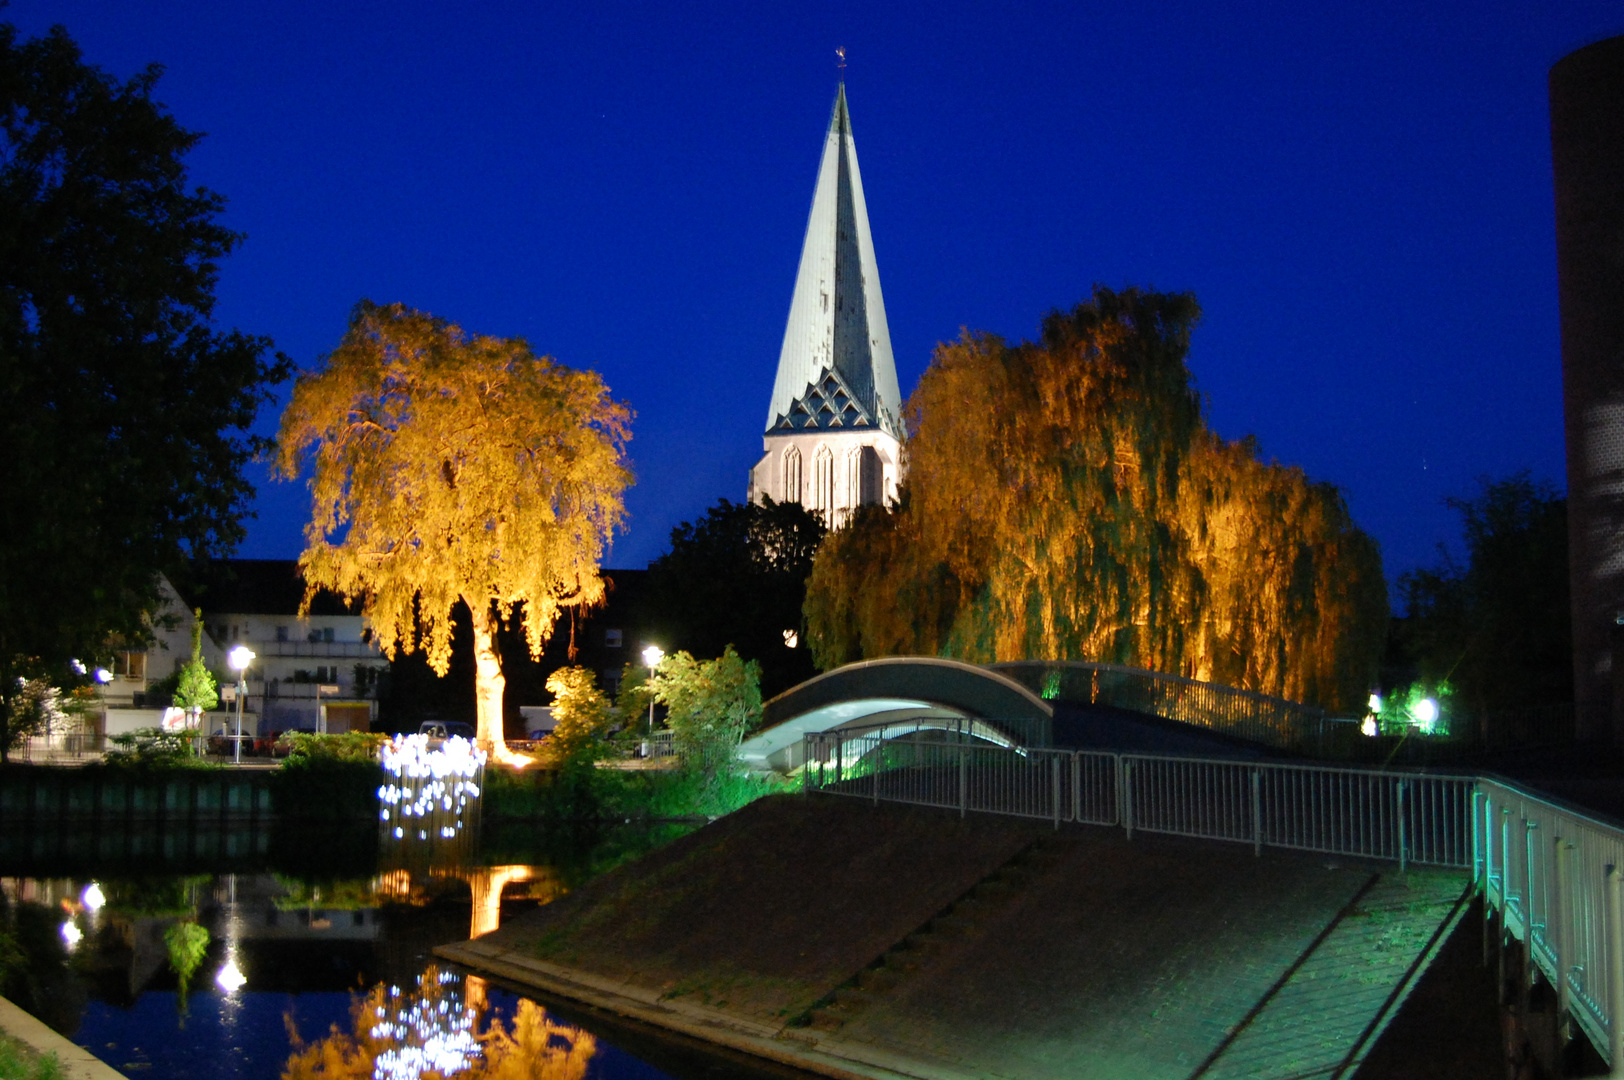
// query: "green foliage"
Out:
[125,431]
[154,748]
[584,796]
[186,942]
[18,1061]
[710,705]
[36,707]
[1498,628]
[161,896]
[345,746]
[582,712]
[196,688]
[326,787]
[1066,501]
[738,576]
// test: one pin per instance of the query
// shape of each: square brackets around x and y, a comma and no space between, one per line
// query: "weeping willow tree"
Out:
[1065,500]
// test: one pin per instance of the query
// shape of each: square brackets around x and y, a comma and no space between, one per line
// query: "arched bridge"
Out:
[896,695]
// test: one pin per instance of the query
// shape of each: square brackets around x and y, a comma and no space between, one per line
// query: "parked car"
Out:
[440,730]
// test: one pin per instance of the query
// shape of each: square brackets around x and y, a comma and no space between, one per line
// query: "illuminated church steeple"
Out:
[833,437]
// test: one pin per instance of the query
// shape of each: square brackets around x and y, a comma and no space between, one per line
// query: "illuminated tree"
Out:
[711,704]
[452,469]
[583,718]
[196,690]
[124,426]
[1065,501]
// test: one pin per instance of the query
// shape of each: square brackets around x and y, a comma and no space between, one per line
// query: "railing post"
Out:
[1125,794]
[874,790]
[1400,824]
[1615,970]
[1528,910]
[1054,768]
[964,782]
[840,758]
[1558,912]
[1257,812]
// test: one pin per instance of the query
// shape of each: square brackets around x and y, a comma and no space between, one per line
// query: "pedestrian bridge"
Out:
[900,695]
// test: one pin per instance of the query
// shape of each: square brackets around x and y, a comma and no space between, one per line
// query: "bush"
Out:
[154,748]
[348,746]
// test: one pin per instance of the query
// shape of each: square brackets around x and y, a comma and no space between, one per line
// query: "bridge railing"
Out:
[1555,874]
[1379,814]
[1243,713]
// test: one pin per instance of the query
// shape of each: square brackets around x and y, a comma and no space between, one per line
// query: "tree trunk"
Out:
[489,683]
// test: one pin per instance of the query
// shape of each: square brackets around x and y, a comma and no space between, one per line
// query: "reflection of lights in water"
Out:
[433,1032]
[72,935]
[93,898]
[433,1029]
[231,979]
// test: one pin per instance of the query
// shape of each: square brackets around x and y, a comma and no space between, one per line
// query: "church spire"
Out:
[835,370]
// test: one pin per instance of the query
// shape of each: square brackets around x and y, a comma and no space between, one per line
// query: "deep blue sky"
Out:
[1359,195]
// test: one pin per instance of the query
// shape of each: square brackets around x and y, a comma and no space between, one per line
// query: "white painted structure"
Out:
[834,432]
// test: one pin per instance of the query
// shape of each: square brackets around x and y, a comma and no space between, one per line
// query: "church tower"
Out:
[834,431]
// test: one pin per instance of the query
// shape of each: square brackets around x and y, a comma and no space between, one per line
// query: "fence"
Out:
[1379,814]
[1555,874]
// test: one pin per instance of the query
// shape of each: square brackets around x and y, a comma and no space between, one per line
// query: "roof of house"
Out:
[258,587]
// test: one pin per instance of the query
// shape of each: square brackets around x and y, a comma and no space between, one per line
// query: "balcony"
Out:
[354,650]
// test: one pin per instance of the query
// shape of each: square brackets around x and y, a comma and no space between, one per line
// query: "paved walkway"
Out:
[1073,955]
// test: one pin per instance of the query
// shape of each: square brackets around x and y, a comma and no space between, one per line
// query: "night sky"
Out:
[1358,194]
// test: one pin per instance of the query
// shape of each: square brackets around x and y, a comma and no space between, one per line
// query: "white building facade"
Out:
[834,433]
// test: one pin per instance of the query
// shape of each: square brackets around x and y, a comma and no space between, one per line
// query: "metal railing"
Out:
[1379,814]
[1554,873]
[1243,713]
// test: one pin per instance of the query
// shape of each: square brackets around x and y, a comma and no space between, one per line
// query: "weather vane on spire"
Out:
[840,51]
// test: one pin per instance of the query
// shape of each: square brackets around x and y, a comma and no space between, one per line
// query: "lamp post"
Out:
[652,657]
[240,658]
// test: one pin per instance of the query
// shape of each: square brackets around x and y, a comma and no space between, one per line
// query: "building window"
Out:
[823,484]
[612,639]
[327,633]
[281,633]
[792,475]
[131,665]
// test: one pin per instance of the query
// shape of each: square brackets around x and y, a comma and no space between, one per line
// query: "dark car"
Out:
[444,729]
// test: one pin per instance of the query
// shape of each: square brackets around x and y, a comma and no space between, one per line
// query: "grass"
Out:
[19,1061]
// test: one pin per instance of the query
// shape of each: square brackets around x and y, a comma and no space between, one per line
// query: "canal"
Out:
[315,960]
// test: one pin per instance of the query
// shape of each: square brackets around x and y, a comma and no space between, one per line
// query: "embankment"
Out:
[885,941]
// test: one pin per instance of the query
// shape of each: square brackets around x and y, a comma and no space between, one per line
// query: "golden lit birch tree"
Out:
[448,468]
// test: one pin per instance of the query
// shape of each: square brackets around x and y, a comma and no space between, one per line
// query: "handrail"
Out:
[1554,872]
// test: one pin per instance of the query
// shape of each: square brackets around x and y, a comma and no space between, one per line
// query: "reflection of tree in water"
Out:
[186,942]
[434,1030]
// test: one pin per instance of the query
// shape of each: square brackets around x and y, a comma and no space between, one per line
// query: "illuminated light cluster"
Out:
[432,794]
[433,1033]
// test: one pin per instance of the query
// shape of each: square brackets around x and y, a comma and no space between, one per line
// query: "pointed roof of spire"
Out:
[835,370]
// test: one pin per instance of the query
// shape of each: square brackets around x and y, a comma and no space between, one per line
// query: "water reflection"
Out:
[443,1025]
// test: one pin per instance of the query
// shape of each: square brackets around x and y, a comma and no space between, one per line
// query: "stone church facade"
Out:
[833,440]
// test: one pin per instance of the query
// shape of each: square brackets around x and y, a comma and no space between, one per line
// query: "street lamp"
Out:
[240,658]
[652,657]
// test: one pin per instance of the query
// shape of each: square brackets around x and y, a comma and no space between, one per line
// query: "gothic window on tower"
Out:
[871,476]
[823,483]
[792,475]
